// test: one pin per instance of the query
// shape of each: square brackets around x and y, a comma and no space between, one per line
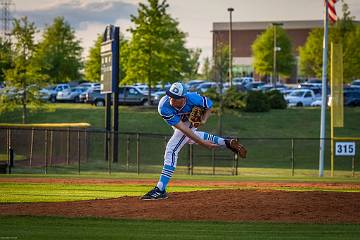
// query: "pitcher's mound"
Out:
[216,205]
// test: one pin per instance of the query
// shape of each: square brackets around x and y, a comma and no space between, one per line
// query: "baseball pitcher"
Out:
[185,112]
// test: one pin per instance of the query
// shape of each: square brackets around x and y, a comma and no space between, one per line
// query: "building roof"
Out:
[303,24]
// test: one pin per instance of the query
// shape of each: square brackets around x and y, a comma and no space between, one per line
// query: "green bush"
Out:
[257,101]
[276,100]
[234,99]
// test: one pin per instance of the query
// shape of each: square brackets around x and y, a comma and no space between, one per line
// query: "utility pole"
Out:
[230,46]
[276,49]
[6,18]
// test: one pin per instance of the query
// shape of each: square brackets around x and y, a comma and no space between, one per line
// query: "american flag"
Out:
[331,10]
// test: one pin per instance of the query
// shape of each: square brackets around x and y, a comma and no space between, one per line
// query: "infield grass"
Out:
[11,191]
[93,228]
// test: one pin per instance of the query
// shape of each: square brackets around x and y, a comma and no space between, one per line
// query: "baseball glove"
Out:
[236,147]
[196,116]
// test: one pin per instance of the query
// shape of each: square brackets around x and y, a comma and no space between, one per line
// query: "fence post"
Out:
[45,154]
[86,145]
[107,150]
[108,136]
[127,151]
[11,159]
[191,159]
[78,142]
[292,157]
[68,146]
[9,145]
[51,147]
[213,161]
[235,164]
[138,153]
[31,146]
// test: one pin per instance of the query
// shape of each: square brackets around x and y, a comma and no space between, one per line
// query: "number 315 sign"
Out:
[345,149]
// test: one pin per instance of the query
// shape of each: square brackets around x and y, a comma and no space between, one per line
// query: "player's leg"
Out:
[210,137]
[230,143]
[173,147]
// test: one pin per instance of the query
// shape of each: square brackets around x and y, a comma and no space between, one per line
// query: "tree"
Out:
[352,56]
[157,49]
[311,54]
[263,52]
[194,64]
[24,78]
[221,63]
[206,70]
[60,52]
[5,58]
[93,62]
[344,32]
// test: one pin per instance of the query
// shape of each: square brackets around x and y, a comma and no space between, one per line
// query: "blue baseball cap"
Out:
[177,90]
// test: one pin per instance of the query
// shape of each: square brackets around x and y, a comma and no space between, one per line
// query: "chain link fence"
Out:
[83,151]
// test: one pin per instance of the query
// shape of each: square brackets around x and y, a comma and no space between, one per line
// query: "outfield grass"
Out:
[293,122]
[93,228]
[265,156]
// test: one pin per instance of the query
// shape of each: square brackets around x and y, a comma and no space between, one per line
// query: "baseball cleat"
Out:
[236,147]
[155,194]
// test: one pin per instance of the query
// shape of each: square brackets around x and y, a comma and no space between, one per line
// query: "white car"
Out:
[300,98]
[49,93]
[72,94]
[90,85]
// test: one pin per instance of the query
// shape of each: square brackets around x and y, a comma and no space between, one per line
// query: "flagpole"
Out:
[324,95]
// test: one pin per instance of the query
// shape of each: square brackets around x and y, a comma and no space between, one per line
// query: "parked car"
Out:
[254,86]
[242,80]
[49,93]
[90,85]
[271,87]
[352,99]
[203,87]
[82,96]
[128,95]
[70,94]
[311,83]
[355,84]
[301,97]
[193,84]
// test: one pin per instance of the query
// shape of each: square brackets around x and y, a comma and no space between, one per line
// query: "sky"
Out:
[195,17]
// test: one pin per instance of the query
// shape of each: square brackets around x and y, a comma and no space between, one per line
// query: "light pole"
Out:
[274,78]
[230,10]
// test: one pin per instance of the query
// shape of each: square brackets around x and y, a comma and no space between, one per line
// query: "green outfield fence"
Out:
[82,151]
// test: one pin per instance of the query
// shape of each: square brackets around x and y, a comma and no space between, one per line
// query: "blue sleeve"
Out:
[200,101]
[167,114]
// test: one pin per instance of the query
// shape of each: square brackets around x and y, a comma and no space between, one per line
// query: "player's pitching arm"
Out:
[187,131]
[206,116]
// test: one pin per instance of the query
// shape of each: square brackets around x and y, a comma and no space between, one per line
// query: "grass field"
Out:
[265,156]
[93,228]
[294,122]
[27,227]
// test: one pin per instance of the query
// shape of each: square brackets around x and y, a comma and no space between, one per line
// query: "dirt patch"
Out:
[200,183]
[261,205]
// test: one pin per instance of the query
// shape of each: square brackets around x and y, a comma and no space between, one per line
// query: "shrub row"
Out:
[253,101]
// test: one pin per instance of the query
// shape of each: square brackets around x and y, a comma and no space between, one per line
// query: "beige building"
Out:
[245,33]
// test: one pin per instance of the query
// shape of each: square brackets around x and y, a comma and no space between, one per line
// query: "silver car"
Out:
[72,94]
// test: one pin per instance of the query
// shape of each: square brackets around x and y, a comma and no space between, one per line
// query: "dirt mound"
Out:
[217,205]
